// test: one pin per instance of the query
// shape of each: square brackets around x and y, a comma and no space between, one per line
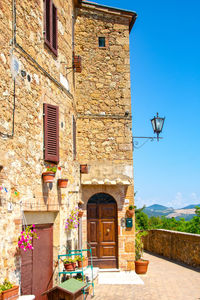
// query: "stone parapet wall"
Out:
[180,246]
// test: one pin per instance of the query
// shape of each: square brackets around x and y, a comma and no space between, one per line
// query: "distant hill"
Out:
[191,206]
[158,210]
[157,207]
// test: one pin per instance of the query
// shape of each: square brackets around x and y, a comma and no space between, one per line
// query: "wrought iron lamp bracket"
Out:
[146,138]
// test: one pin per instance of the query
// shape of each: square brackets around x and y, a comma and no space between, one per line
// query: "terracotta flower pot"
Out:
[130,213]
[11,293]
[141,266]
[48,176]
[80,213]
[62,183]
[69,266]
[84,169]
[85,263]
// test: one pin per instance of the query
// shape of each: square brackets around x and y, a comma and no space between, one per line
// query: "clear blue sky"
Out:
[165,78]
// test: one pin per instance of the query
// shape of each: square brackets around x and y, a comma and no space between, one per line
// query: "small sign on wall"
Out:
[129,222]
[126,201]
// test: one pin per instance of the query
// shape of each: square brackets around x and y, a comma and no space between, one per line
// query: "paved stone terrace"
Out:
[165,280]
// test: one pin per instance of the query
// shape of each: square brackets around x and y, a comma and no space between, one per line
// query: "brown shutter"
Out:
[47,21]
[77,63]
[54,30]
[51,133]
[74,138]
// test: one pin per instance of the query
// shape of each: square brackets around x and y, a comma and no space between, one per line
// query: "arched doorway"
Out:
[102,230]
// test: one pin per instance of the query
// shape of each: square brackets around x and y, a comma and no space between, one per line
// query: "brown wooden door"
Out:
[102,233]
[37,264]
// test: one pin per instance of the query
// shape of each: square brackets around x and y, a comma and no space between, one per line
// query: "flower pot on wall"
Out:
[80,213]
[84,169]
[130,213]
[62,183]
[11,293]
[48,176]
[141,266]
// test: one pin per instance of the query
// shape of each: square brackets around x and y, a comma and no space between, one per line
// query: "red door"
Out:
[102,230]
[37,264]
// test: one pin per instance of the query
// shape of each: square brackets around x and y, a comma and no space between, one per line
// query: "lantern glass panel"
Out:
[159,124]
[153,124]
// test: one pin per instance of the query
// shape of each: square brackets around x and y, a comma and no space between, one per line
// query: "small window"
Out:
[51,133]
[102,42]
[50,24]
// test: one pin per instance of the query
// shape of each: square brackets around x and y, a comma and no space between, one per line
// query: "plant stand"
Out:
[82,270]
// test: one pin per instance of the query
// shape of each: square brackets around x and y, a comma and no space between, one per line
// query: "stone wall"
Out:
[103,87]
[21,154]
[104,124]
[180,246]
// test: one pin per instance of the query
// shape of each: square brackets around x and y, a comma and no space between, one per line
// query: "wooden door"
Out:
[102,233]
[37,264]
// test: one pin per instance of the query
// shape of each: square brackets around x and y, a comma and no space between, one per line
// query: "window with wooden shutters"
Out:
[50,24]
[74,138]
[51,133]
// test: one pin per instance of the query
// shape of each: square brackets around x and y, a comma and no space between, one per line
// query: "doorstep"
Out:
[109,270]
[88,273]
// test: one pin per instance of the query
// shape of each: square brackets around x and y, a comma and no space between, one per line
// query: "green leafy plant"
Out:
[52,168]
[131,207]
[79,258]
[73,220]
[69,260]
[139,245]
[5,286]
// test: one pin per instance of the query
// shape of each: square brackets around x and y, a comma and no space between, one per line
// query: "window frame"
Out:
[51,26]
[102,37]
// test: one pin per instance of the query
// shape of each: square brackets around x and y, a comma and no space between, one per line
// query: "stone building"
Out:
[36,50]
[104,131]
[46,105]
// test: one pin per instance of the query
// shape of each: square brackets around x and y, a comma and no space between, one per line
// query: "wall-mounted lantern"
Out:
[157,124]
[84,169]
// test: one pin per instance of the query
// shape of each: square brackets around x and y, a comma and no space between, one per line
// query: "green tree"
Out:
[141,218]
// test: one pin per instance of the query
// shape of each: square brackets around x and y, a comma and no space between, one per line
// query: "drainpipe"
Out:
[80,234]
[6,135]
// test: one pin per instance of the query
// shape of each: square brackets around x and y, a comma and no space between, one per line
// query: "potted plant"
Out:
[62,183]
[8,290]
[69,264]
[82,261]
[72,221]
[25,240]
[80,213]
[141,265]
[49,175]
[130,211]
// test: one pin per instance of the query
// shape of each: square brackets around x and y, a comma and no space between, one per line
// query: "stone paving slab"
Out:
[165,280]
[123,277]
